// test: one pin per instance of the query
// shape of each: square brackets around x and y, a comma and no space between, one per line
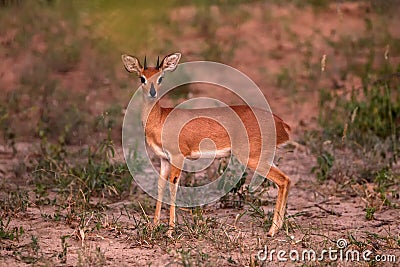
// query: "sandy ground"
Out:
[317,215]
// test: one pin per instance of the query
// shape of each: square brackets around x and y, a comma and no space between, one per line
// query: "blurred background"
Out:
[328,68]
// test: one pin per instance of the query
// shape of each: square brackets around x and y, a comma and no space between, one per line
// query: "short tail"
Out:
[282,130]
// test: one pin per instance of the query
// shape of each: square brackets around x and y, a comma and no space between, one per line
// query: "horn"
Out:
[158,63]
[145,63]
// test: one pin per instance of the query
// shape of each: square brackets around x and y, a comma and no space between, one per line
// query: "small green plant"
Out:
[369,213]
[31,252]
[232,185]
[9,233]
[192,257]
[62,256]
[361,245]
[198,225]
[91,257]
[14,202]
[386,182]
[325,163]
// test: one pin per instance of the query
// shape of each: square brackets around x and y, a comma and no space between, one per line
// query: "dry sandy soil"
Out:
[317,214]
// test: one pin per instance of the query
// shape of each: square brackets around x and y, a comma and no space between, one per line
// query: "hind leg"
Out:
[283,183]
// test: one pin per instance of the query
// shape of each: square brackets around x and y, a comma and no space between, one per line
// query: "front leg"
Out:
[162,179]
[173,186]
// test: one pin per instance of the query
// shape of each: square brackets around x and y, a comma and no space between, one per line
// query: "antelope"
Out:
[199,127]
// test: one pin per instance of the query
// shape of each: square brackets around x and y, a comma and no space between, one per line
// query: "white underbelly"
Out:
[221,153]
[226,152]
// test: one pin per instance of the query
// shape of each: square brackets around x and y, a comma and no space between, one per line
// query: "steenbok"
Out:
[201,126]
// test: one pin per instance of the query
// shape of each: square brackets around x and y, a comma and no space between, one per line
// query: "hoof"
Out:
[271,232]
[169,233]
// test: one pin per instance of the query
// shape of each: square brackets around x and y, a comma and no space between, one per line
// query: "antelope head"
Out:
[151,77]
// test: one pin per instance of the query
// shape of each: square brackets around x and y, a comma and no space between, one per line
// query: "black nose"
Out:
[152,90]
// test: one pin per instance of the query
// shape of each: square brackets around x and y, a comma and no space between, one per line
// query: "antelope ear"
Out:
[132,64]
[170,62]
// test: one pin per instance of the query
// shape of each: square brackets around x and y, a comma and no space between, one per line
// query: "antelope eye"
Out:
[142,79]
[160,79]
